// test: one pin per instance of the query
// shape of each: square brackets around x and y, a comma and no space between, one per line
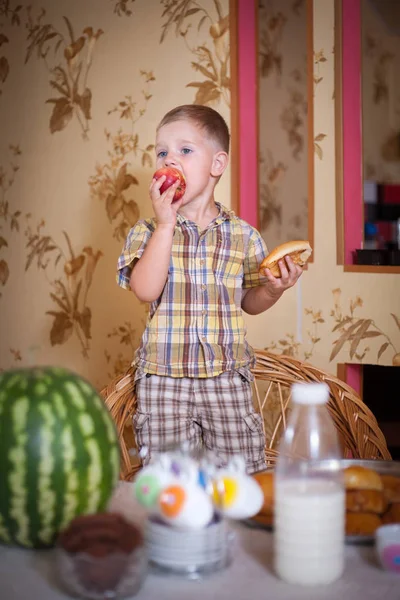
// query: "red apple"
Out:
[171,175]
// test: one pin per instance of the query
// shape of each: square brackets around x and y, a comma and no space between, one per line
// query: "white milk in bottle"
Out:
[309,522]
[309,493]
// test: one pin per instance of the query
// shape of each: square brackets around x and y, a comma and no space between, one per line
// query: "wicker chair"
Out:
[358,429]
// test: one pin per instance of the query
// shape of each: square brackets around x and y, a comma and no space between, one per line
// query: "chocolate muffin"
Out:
[97,552]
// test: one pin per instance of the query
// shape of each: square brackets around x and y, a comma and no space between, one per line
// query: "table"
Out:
[29,575]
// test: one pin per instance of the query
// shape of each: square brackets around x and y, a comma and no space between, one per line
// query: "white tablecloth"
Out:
[30,575]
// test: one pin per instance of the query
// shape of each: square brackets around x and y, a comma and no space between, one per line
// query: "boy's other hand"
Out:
[290,273]
[260,298]
[165,209]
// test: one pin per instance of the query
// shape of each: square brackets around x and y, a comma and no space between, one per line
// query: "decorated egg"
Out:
[166,469]
[237,495]
[186,506]
[149,483]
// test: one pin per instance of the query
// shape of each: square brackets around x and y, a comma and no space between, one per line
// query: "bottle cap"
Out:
[310,393]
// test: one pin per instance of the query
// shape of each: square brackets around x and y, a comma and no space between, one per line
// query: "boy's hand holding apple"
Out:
[172,176]
[166,190]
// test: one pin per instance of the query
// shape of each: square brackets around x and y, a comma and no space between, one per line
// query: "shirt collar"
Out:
[224,214]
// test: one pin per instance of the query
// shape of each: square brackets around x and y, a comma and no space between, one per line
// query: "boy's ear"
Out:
[220,162]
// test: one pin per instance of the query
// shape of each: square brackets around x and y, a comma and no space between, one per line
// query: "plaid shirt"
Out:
[196,327]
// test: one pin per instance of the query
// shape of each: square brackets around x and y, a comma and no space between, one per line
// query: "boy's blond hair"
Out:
[205,117]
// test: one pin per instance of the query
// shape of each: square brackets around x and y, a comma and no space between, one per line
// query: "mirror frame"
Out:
[348,133]
[245,111]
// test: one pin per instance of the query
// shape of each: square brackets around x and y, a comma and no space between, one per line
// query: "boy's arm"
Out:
[150,272]
[257,299]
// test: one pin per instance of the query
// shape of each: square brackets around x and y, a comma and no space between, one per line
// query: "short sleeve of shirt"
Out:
[256,252]
[134,246]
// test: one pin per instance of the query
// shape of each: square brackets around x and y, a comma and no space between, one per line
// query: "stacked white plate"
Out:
[189,552]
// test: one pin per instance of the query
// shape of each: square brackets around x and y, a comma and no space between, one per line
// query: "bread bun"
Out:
[359,523]
[362,478]
[365,501]
[391,487]
[393,514]
[266,481]
[265,520]
[298,250]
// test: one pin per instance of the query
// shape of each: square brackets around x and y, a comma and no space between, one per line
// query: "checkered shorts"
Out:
[216,413]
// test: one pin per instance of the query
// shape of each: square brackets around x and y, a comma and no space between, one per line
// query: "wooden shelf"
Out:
[389,269]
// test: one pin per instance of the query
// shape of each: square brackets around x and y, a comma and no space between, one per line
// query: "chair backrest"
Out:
[120,399]
[274,374]
[359,432]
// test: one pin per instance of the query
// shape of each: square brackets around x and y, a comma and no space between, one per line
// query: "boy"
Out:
[197,263]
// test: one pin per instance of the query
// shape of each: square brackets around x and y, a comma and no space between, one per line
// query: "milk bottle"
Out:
[309,493]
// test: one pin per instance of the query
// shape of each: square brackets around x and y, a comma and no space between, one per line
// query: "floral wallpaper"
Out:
[283,181]
[78,118]
[83,85]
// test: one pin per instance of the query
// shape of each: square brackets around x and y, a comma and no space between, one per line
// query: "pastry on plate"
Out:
[266,482]
[391,488]
[359,523]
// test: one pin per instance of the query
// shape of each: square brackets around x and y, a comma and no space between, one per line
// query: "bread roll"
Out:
[393,514]
[391,488]
[359,523]
[298,250]
[362,478]
[266,482]
[266,520]
[365,501]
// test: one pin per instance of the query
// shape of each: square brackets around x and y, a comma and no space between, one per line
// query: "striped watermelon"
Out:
[59,453]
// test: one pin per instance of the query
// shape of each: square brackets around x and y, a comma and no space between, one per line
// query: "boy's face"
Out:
[185,146]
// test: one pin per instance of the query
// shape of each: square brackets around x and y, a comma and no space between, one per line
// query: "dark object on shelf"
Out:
[372,257]
[388,207]
[394,257]
[387,212]
[378,257]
